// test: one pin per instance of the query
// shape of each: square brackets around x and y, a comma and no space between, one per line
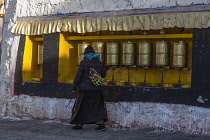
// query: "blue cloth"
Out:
[91,55]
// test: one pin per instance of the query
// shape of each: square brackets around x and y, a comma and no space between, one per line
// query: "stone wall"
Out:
[162,117]
[45,7]
[9,48]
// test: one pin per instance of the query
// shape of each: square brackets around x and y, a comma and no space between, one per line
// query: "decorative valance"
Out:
[122,23]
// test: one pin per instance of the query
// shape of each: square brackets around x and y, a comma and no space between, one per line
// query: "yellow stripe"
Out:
[129,37]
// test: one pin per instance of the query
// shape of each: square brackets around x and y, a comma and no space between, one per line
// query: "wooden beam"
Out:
[38,39]
[129,37]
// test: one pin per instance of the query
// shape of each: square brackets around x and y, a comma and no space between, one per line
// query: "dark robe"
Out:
[89,108]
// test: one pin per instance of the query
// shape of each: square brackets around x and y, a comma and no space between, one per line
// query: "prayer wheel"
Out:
[128,50]
[162,54]
[99,49]
[144,54]
[81,49]
[179,54]
[112,50]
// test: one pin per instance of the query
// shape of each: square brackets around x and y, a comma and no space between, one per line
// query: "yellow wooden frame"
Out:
[130,37]
[38,39]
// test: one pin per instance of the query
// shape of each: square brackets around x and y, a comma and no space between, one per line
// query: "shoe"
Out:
[101,127]
[77,127]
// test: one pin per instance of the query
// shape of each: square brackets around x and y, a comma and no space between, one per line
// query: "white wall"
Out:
[46,7]
[162,117]
[8,56]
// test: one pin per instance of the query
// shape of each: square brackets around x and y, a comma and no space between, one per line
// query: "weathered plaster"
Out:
[162,117]
[46,7]
[8,56]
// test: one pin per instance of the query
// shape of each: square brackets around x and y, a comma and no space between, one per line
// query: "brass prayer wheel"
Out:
[144,54]
[144,60]
[162,60]
[162,54]
[99,49]
[179,61]
[81,49]
[179,54]
[128,50]
[80,57]
[101,57]
[112,50]
[112,59]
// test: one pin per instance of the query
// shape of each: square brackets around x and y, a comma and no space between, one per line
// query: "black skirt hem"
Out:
[89,108]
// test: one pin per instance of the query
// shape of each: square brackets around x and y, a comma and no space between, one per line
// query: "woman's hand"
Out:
[107,67]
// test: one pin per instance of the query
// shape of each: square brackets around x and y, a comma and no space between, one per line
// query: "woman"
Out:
[89,106]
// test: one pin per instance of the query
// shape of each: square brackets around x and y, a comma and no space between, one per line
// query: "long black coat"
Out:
[89,106]
[82,80]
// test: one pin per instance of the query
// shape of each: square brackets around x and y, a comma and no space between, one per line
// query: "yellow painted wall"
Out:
[31,70]
[68,59]
[109,75]
[27,60]
[73,59]
[137,75]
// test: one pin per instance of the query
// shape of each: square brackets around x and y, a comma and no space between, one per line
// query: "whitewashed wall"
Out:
[9,48]
[162,117]
[136,115]
[46,7]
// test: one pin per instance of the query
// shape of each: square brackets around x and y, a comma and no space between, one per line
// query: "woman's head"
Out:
[89,49]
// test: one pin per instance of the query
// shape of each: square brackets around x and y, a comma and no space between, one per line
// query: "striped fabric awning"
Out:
[121,23]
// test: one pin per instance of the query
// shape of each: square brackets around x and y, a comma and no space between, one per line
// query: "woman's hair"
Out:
[89,49]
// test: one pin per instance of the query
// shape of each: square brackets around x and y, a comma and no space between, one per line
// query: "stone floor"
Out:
[16,129]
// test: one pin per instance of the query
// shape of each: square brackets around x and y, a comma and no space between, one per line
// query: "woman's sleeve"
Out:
[78,76]
[103,73]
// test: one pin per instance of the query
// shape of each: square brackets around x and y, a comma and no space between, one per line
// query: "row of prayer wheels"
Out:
[140,54]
